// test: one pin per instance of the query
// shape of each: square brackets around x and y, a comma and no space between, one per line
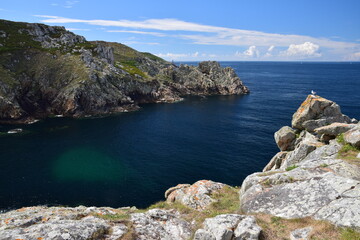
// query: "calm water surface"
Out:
[132,158]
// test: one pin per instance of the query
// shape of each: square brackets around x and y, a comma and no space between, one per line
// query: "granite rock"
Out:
[196,196]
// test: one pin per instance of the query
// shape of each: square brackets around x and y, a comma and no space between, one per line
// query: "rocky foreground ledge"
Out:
[309,190]
[48,71]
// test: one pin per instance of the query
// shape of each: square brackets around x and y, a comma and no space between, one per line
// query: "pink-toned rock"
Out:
[316,112]
[196,196]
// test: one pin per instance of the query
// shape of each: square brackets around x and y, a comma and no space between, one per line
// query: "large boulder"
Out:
[285,138]
[353,137]
[228,227]
[316,112]
[196,196]
[160,224]
[331,131]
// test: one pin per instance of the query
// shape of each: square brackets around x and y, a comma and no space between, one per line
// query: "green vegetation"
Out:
[291,168]
[348,152]
[16,38]
[131,68]
[340,138]
[152,57]
[324,165]
[348,233]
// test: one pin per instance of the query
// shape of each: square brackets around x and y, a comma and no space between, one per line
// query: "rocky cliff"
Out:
[309,190]
[46,71]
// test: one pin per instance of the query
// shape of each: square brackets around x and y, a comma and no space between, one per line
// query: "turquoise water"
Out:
[132,158]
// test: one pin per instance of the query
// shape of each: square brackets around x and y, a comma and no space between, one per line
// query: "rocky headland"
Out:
[309,190]
[47,71]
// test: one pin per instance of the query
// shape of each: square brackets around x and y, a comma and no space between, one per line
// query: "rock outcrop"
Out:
[46,71]
[229,226]
[160,224]
[315,179]
[316,112]
[285,138]
[196,196]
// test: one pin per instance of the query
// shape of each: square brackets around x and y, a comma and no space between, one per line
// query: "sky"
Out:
[194,30]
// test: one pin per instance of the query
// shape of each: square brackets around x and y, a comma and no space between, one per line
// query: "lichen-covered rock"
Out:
[229,226]
[157,224]
[58,223]
[301,234]
[285,138]
[276,161]
[313,180]
[353,137]
[316,112]
[334,129]
[196,196]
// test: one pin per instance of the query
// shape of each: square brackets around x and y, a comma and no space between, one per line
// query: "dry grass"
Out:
[276,228]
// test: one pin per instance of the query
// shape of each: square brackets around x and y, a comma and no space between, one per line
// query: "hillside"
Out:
[47,71]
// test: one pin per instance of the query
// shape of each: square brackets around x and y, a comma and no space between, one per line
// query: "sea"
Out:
[131,159]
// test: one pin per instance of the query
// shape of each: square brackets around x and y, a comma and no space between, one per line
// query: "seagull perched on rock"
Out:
[313,92]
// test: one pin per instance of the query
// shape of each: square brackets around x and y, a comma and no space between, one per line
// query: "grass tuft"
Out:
[291,168]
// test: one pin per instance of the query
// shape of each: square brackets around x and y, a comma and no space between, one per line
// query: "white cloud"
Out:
[214,35]
[70,4]
[140,43]
[177,56]
[77,29]
[353,57]
[252,51]
[271,48]
[139,32]
[306,49]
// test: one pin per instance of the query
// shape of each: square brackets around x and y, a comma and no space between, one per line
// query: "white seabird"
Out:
[313,92]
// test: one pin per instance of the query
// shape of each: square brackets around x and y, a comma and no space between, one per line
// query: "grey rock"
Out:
[117,232]
[247,229]
[285,138]
[316,112]
[196,196]
[344,212]
[298,199]
[353,137]
[202,234]
[229,226]
[334,129]
[301,234]
[296,156]
[158,224]
[276,161]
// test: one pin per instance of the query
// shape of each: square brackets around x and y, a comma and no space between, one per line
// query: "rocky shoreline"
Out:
[47,71]
[309,190]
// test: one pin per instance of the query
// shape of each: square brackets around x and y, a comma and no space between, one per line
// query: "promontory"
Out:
[47,71]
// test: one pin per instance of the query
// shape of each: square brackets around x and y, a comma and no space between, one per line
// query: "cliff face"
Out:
[48,71]
[317,172]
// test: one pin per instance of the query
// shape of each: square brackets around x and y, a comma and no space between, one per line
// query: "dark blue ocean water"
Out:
[132,158]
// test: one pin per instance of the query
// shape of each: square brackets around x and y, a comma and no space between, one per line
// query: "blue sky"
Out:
[240,30]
